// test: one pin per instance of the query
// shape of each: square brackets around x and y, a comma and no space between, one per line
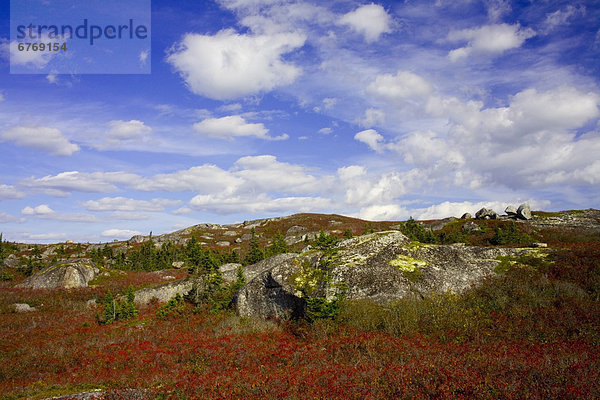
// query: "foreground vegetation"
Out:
[530,331]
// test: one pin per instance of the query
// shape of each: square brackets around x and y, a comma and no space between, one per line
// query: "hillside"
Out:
[310,306]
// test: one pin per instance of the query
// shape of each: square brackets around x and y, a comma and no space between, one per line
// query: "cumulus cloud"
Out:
[41,138]
[229,65]
[127,204]
[370,137]
[370,20]
[532,142]
[120,233]
[45,212]
[266,173]
[403,85]
[204,179]
[10,192]
[233,126]
[488,39]
[122,133]
[325,131]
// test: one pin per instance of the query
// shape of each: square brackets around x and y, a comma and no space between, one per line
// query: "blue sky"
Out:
[257,108]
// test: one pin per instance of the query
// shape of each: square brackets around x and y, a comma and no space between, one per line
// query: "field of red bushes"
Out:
[530,333]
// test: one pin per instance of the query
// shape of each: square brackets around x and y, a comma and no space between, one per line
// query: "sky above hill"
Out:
[258,108]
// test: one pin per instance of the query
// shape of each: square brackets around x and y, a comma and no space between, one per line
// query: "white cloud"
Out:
[40,138]
[371,137]
[329,102]
[229,65]
[10,192]
[52,78]
[120,233]
[370,20]
[7,218]
[488,39]
[230,107]
[325,131]
[259,203]
[64,183]
[562,17]
[403,85]
[42,209]
[127,204]
[265,173]
[36,59]
[383,212]
[373,117]
[233,126]
[123,133]
[204,179]
[127,129]
[183,211]
[497,9]
[45,212]
[531,142]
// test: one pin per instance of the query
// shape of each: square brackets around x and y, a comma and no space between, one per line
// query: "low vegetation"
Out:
[532,330]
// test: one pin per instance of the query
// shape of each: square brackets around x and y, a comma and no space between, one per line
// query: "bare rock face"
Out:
[484,213]
[524,212]
[163,292]
[22,307]
[269,293]
[511,211]
[466,216]
[229,271]
[63,274]
[382,267]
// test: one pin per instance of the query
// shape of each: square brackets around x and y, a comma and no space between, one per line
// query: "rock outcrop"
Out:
[163,292]
[22,307]
[63,274]
[524,212]
[484,213]
[381,267]
[511,211]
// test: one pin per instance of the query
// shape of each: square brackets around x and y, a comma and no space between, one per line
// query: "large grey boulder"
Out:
[164,291]
[484,213]
[22,307]
[63,274]
[511,211]
[382,267]
[524,212]
[270,293]
[11,261]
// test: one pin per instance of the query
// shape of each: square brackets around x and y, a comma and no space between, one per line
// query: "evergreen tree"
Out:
[111,309]
[255,254]
[279,245]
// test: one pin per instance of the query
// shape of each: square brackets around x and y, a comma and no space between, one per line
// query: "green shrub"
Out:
[175,307]
[510,235]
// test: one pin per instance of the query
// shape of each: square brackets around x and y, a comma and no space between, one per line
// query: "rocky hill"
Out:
[327,257]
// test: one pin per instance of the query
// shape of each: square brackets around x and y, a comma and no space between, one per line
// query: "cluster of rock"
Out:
[522,212]
[381,267]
